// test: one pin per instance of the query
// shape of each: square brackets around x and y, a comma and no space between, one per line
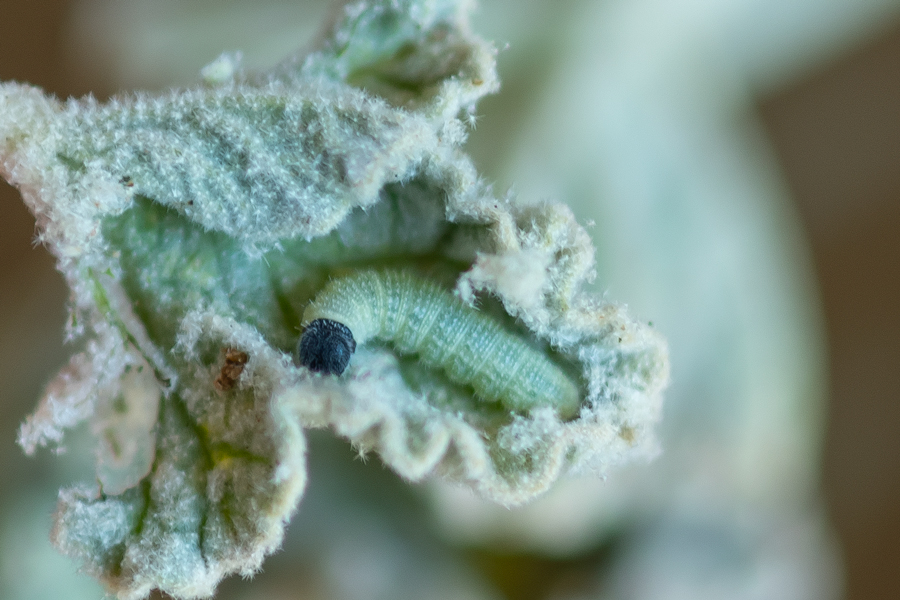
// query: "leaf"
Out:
[195,226]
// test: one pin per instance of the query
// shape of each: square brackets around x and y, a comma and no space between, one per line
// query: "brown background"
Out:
[837,135]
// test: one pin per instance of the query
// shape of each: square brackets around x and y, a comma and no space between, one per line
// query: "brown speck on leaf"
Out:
[627,434]
[231,370]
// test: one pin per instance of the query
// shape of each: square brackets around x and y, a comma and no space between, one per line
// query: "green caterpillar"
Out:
[418,317]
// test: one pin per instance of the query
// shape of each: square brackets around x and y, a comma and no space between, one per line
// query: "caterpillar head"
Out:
[326,347]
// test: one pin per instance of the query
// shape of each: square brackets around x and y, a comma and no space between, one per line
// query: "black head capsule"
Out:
[326,347]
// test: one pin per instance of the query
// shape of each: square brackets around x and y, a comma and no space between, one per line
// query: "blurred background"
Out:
[814,88]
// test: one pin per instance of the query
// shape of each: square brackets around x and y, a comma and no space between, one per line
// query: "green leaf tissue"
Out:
[309,247]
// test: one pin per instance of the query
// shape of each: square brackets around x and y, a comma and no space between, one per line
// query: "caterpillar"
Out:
[418,317]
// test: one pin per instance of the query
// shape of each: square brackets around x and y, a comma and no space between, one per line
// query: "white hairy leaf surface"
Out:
[194,228]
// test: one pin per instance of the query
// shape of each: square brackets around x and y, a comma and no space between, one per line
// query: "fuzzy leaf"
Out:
[195,226]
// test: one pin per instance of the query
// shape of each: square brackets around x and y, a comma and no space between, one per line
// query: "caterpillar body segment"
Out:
[418,317]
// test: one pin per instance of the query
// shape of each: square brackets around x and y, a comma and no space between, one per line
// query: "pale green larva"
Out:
[418,317]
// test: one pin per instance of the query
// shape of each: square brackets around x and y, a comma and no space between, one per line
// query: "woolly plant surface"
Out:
[195,226]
